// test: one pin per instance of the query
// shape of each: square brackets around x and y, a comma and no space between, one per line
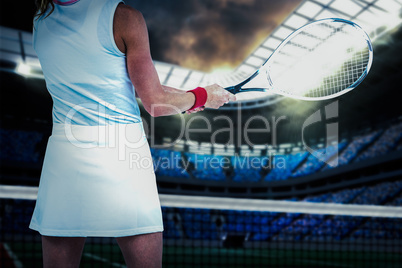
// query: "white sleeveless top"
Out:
[84,70]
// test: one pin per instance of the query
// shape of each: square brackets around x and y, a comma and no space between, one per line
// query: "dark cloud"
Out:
[209,34]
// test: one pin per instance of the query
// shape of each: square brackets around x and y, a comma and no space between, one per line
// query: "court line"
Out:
[16,261]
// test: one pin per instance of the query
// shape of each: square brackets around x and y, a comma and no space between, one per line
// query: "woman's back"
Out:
[85,72]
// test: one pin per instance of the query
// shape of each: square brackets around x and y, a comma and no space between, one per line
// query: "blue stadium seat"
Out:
[168,163]
[207,167]
[20,145]
[247,169]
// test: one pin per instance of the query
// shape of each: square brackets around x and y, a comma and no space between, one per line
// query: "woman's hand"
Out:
[218,96]
[196,110]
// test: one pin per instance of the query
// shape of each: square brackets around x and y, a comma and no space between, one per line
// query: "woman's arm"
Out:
[172,89]
[168,89]
[131,37]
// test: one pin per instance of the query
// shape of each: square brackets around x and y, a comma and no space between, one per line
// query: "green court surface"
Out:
[28,254]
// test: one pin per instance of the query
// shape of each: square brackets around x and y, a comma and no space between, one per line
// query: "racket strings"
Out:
[349,73]
[319,61]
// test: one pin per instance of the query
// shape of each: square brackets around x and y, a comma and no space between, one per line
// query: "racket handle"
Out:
[232,89]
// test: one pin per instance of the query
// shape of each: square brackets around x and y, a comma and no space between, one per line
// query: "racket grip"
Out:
[231,89]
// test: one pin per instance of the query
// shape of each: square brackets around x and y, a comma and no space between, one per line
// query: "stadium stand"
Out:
[278,226]
[288,164]
[385,143]
[358,144]
[27,146]
[205,224]
[20,145]
[207,167]
[314,164]
[248,168]
[168,163]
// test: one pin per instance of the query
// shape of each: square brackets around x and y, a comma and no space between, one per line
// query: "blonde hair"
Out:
[42,6]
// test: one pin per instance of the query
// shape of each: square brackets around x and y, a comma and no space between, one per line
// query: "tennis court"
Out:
[258,234]
[108,255]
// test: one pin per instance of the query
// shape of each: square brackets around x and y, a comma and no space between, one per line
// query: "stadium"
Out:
[253,184]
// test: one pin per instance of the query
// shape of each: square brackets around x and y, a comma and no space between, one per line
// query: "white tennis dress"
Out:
[97,178]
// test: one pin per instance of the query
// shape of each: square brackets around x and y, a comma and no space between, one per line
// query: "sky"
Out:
[203,35]
[209,35]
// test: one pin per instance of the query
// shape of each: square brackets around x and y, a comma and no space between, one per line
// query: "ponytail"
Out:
[42,6]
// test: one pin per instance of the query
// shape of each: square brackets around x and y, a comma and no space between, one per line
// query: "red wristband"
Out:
[201,96]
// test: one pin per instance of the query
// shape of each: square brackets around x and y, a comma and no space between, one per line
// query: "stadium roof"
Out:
[375,16]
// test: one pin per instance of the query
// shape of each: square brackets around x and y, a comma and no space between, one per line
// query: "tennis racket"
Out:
[321,60]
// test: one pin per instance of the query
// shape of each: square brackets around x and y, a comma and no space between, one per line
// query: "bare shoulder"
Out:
[129,16]
[129,27]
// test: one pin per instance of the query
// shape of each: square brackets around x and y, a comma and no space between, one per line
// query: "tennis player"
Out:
[92,53]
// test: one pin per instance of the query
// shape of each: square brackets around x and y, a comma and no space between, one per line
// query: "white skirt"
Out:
[97,181]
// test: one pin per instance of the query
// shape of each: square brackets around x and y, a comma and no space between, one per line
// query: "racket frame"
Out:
[265,67]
